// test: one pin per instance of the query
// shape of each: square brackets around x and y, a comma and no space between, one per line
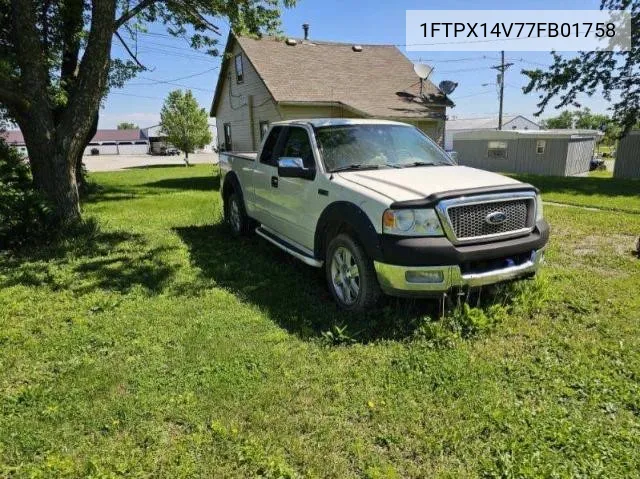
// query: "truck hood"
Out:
[406,184]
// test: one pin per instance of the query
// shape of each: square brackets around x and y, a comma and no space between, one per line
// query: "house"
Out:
[14,138]
[539,152]
[627,163]
[509,122]
[105,142]
[272,79]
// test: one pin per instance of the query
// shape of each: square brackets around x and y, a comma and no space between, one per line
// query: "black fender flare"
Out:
[231,182]
[341,214]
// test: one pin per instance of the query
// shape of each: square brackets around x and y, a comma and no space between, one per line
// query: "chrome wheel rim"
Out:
[345,275]
[234,214]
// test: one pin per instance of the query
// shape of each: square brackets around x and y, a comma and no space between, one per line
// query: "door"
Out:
[265,178]
[293,199]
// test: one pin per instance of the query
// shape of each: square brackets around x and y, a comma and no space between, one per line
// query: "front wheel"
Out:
[350,275]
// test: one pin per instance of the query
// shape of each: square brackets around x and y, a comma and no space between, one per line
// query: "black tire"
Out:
[368,291]
[240,224]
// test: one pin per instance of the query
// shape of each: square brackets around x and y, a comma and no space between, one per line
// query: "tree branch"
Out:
[129,14]
[33,71]
[194,11]
[126,47]
[10,97]
[91,81]
[72,27]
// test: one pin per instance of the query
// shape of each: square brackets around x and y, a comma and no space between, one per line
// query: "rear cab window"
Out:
[269,155]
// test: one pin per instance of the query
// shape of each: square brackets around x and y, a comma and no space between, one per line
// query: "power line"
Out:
[453,60]
[155,80]
[474,94]
[182,85]
[183,49]
[136,96]
[202,58]
[463,70]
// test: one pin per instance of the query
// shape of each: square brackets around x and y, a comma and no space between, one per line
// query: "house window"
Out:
[239,70]
[227,137]
[264,128]
[497,150]
[540,146]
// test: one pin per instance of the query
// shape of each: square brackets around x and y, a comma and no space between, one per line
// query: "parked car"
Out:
[172,151]
[383,209]
[597,164]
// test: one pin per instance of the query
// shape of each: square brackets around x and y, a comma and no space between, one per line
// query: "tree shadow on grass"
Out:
[200,183]
[88,260]
[293,294]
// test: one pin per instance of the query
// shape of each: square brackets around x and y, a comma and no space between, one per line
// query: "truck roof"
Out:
[318,122]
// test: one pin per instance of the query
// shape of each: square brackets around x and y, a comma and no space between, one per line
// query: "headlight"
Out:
[411,223]
[539,213]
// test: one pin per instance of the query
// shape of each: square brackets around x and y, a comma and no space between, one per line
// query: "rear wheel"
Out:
[235,215]
[350,275]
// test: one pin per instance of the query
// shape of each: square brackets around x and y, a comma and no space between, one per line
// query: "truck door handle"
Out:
[274,181]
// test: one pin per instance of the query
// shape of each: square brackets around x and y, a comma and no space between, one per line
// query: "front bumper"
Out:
[433,280]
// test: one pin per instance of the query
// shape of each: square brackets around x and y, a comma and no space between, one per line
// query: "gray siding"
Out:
[521,156]
[628,157]
[579,155]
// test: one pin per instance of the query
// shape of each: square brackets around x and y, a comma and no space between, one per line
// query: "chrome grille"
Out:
[469,220]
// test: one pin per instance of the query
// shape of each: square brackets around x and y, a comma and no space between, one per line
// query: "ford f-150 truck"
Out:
[383,209]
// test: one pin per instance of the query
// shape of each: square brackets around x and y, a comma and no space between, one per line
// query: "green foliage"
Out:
[25,216]
[585,119]
[608,73]
[57,65]
[563,121]
[126,125]
[184,122]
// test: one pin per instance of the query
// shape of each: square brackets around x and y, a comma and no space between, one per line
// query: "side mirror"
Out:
[454,156]
[291,167]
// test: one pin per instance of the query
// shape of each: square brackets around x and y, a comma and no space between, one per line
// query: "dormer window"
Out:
[239,70]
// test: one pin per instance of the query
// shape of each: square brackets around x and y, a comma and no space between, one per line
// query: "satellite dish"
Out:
[423,71]
[447,86]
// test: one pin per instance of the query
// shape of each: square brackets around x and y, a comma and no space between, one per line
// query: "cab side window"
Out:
[297,145]
[269,155]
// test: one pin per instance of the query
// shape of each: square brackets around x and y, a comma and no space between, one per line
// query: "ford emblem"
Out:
[496,218]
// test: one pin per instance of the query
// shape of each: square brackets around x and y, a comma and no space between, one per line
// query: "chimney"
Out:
[305,27]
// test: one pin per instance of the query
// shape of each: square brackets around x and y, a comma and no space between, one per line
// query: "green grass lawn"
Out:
[599,191]
[158,346]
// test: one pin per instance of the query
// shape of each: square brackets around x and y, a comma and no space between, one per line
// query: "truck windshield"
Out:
[377,146]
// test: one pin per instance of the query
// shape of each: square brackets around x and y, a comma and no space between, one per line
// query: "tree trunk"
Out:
[81,179]
[53,177]
[186,158]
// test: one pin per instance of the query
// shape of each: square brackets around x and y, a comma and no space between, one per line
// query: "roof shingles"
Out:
[367,81]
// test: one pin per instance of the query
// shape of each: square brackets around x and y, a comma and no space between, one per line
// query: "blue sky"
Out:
[358,21]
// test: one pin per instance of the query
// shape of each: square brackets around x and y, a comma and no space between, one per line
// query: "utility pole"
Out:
[501,68]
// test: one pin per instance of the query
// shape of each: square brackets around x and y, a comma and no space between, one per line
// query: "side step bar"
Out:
[288,247]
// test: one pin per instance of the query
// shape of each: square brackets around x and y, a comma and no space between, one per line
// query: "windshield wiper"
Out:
[419,163]
[355,166]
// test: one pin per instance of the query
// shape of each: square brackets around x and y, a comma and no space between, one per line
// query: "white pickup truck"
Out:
[383,209]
